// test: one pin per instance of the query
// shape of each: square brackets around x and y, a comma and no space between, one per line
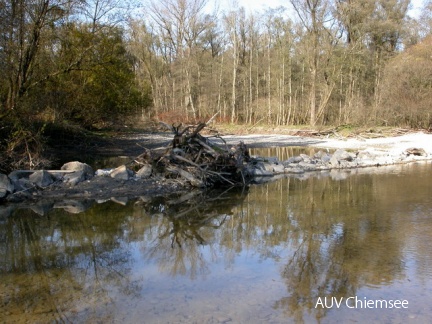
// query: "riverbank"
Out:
[337,154]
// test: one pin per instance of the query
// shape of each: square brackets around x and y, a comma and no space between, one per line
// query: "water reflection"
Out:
[262,254]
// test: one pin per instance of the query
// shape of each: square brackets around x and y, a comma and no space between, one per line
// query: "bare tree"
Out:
[314,15]
[180,24]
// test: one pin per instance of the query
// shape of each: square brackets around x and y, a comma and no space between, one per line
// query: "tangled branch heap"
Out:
[201,161]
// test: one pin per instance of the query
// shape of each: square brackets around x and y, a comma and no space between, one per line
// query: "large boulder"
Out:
[6,186]
[81,172]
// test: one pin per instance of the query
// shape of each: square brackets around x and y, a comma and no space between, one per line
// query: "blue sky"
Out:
[261,5]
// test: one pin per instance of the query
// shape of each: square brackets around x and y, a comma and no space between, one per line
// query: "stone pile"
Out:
[338,160]
[23,183]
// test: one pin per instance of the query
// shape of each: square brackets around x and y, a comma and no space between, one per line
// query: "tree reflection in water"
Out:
[332,236]
[323,238]
[186,223]
[64,267]
[59,266]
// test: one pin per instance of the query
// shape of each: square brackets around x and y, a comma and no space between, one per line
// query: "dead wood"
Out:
[199,160]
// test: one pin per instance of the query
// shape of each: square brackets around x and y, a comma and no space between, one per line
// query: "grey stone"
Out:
[19,174]
[295,170]
[261,173]
[41,178]
[291,160]
[319,154]
[342,155]
[295,159]
[334,161]
[120,173]
[307,166]
[278,168]
[78,166]
[23,185]
[82,172]
[268,167]
[306,158]
[325,158]
[6,186]
[103,172]
[272,159]
[74,177]
[145,171]
[258,165]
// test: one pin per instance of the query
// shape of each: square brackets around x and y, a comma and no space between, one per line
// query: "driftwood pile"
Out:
[200,160]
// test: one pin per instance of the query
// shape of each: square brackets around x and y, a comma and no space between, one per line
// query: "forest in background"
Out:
[92,64]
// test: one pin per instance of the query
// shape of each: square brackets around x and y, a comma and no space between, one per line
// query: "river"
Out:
[276,252]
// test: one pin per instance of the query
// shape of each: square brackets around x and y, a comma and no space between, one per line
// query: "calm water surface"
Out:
[262,255]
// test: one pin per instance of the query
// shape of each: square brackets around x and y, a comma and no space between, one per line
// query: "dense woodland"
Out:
[98,63]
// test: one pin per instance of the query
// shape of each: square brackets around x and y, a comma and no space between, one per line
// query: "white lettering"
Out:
[347,302]
[338,304]
[356,302]
[319,302]
[328,302]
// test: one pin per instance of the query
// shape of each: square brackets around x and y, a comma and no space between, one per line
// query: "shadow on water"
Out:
[257,254]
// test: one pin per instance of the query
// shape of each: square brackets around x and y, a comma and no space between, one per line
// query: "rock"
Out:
[41,178]
[24,184]
[306,158]
[6,186]
[343,155]
[295,170]
[339,156]
[307,166]
[319,154]
[325,158]
[278,168]
[78,166]
[103,172]
[261,173]
[19,174]
[334,161]
[267,167]
[415,151]
[272,160]
[82,172]
[74,178]
[120,173]
[293,159]
[256,165]
[145,172]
